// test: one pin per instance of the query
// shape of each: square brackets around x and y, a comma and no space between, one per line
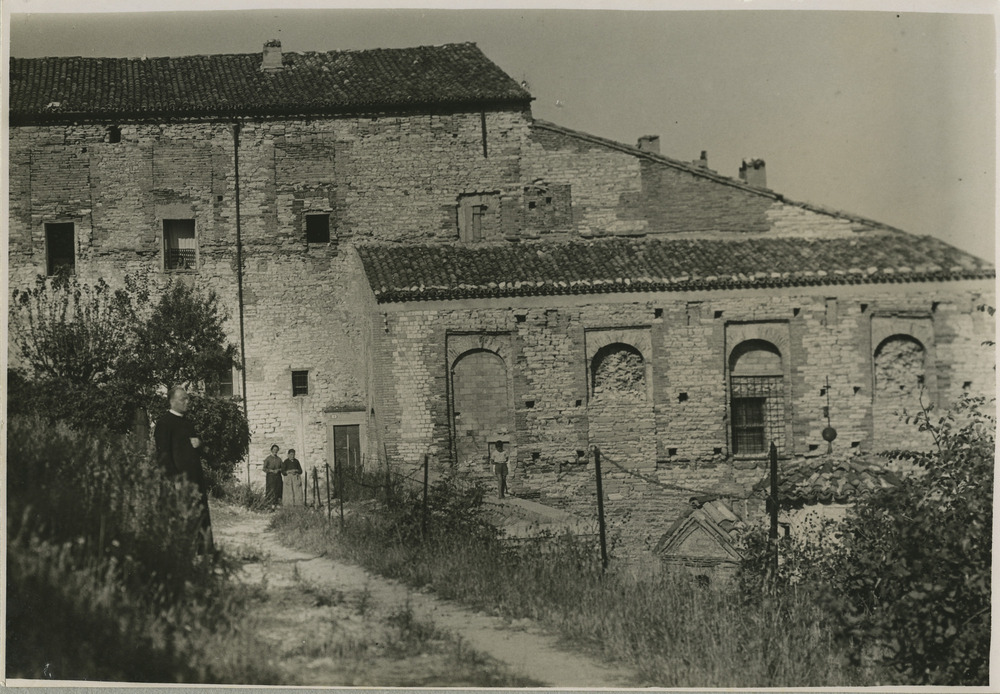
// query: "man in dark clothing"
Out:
[177,451]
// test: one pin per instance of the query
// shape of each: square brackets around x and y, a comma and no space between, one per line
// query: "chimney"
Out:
[752,173]
[649,143]
[702,161]
[272,56]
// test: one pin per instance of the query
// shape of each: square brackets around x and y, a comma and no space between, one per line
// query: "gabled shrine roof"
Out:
[447,76]
[433,272]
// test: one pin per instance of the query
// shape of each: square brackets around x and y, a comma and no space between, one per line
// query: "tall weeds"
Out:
[670,630]
[103,579]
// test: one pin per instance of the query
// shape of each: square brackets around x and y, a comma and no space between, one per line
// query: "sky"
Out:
[884,114]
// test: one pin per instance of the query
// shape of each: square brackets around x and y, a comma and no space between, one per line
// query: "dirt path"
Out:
[333,623]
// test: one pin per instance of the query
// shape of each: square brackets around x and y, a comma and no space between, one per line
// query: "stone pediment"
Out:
[701,538]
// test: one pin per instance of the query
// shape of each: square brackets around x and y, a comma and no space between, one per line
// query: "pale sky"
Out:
[888,115]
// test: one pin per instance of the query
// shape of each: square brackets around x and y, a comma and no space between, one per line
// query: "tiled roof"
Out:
[429,272]
[43,89]
[829,480]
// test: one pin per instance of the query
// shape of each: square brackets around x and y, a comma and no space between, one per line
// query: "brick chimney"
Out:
[649,143]
[272,56]
[702,161]
[752,173]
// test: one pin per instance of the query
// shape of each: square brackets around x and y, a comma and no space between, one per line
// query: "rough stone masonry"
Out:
[436,268]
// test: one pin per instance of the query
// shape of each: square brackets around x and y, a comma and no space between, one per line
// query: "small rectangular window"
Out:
[179,247]
[300,383]
[317,228]
[114,134]
[222,385]
[60,248]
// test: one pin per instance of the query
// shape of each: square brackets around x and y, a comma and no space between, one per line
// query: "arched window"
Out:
[618,372]
[757,398]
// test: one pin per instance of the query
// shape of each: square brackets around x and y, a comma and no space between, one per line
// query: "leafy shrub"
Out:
[103,581]
[96,358]
[183,338]
[917,574]
[68,619]
[907,575]
[104,493]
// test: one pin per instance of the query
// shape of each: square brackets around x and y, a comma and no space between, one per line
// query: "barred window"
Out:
[757,398]
[758,413]
[179,247]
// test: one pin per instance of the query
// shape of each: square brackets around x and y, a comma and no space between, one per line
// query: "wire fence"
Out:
[326,487]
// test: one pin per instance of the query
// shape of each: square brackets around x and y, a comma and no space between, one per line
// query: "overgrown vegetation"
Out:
[899,594]
[103,581]
[672,631]
[96,358]
[103,578]
[907,576]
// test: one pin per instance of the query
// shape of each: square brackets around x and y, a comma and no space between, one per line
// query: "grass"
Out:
[103,577]
[671,631]
[332,635]
[242,494]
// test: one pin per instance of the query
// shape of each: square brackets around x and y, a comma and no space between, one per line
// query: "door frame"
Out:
[348,418]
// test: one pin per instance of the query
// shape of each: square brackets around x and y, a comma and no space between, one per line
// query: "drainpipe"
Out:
[239,276]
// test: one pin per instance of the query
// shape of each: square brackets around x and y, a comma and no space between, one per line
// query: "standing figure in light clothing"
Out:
[291,472]
[500,459]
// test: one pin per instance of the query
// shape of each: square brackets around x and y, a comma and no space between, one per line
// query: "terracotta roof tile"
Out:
[430,272]
[45,89]
[829,479]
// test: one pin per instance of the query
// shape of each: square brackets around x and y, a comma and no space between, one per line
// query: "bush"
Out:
[72,620]
[103,494]
[907,575]
[183,339]
[244,495]
[917,574]
[103,580]
[94,358]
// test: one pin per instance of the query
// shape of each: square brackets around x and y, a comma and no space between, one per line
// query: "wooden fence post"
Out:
[600,507]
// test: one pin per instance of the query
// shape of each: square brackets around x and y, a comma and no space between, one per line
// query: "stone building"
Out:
[419,267]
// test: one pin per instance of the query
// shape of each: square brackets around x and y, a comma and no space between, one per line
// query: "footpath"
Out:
[520,646]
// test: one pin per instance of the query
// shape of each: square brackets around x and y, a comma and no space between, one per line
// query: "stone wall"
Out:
[615,189]
[672,441]
[307,306]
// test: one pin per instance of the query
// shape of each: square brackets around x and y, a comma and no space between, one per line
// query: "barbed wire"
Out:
[652,480]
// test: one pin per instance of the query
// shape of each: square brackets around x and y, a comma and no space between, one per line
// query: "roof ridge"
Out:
[450,75]
[284,50]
